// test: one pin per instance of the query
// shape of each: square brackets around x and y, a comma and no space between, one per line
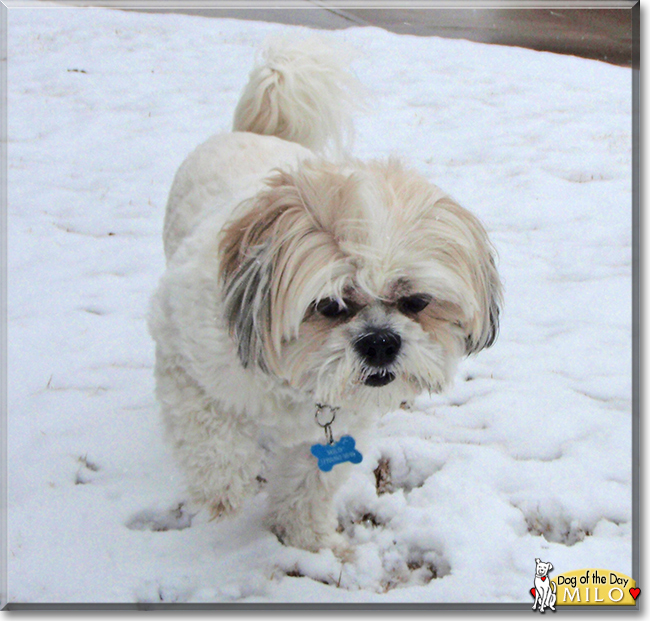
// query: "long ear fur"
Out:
[479,255]
[247,303]
[246,250]
[274,261]
[487,329]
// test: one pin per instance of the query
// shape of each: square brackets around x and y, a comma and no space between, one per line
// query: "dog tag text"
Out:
[329,455]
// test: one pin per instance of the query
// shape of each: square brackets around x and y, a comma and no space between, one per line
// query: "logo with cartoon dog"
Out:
[590,587]
[544,591]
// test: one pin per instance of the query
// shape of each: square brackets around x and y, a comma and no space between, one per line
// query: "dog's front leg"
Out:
[217,449]
[537,599]
[543,600]
[547,598]
[301,508]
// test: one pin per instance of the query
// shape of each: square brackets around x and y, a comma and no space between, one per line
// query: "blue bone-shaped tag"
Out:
[331,454]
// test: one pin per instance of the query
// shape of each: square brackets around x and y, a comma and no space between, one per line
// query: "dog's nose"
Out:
[378,348]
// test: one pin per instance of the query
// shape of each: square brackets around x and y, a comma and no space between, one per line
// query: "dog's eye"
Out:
[413,304]
[329,307]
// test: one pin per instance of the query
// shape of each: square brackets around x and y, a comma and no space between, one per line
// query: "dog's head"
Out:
[541,568]
[358,282]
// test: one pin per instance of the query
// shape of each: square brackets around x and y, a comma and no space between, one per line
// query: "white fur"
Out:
[301,92]
[218,174]
[258,230]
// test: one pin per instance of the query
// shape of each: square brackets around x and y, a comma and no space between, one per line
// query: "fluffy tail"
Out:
[301,91]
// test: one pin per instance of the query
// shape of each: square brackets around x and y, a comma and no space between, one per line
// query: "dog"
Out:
[545,592]
[301,282]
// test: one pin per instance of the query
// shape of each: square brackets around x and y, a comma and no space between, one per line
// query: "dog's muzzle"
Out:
[378,349]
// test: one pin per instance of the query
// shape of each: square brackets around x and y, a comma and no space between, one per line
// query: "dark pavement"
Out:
[607,34]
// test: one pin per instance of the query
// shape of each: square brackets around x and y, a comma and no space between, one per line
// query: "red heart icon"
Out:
[635,593]
[532,592]
[543,578]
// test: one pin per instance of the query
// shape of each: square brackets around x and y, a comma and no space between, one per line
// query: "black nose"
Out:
[378,348]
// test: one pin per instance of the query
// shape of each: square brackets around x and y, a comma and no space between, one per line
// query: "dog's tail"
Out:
[301,91]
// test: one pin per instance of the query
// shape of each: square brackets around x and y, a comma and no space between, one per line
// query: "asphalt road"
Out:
[607,34]
[603,34]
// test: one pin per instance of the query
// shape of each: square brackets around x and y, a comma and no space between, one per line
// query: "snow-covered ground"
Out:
[529,455]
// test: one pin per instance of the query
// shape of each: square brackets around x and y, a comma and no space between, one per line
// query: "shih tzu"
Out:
[305,296]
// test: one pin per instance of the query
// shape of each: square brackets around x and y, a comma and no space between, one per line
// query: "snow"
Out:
[529,455]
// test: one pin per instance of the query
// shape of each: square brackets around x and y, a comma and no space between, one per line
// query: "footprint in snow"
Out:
[152,592]
[87,471]
[176,518]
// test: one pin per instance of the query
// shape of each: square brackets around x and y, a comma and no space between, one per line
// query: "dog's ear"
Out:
[550,566]
[486,326]
[274,258]
[537,561]
[470,251]
[246,250]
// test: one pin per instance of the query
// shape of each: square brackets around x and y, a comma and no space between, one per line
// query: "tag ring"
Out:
[326,426]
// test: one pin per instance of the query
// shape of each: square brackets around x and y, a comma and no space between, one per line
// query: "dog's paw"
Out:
[314,542]
[217,505]
[218,509]
[341,547]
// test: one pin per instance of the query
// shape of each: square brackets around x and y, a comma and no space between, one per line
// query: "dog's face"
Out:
[357,283]
[541,568]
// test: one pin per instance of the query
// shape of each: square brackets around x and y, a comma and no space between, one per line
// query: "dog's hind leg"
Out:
[216,449]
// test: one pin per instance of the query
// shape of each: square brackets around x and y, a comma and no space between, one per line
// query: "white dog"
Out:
[545,595]
[299,287]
